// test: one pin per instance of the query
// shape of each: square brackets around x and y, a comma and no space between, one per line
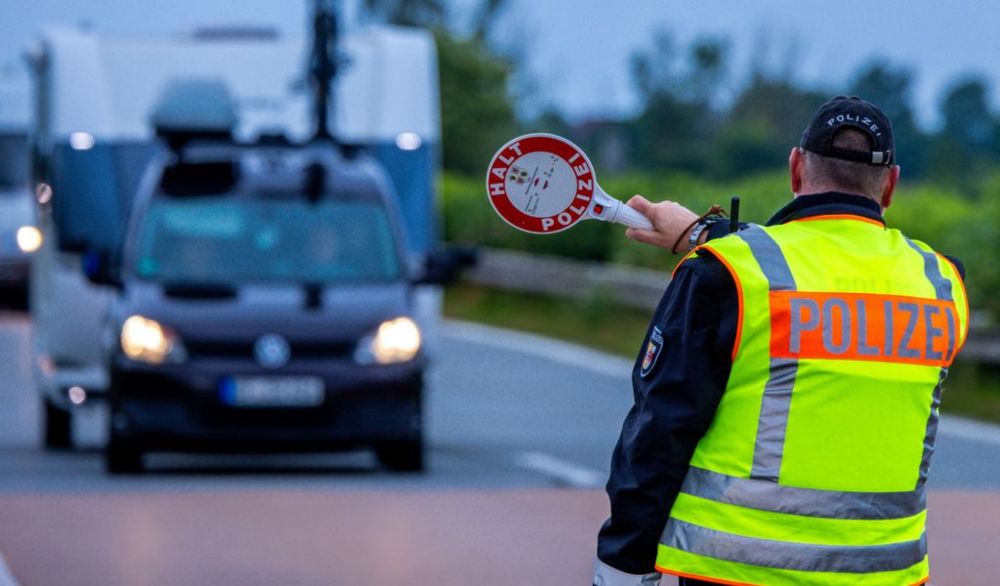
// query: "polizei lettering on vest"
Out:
[855,326]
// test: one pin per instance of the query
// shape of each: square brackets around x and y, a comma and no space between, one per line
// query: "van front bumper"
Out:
[183,408]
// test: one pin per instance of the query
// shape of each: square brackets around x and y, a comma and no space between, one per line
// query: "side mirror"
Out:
[444,266]
[102,268]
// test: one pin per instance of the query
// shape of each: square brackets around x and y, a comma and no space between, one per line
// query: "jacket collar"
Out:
[826,204]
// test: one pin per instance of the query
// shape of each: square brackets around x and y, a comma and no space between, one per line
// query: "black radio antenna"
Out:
[734,214]
[323,65]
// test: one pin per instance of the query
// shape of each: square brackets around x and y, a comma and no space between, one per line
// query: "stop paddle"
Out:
[544,184]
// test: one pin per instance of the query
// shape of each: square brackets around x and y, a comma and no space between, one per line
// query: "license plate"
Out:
[277,391]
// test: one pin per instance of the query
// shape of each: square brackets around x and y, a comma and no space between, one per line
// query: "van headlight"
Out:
[396,340]
[29,239]
[146,340]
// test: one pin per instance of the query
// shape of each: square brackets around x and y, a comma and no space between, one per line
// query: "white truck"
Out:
[92,139]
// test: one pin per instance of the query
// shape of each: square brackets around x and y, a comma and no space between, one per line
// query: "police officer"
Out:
[786,394]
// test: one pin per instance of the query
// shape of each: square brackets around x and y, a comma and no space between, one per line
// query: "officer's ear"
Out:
[796,166]
[890,187]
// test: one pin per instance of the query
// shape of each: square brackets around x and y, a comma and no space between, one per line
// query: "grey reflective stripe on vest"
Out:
[768,255]
[773,421]
[942,286]
[785,555]
[765,495]
[942,290]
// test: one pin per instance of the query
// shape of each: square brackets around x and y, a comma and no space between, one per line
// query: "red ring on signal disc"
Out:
[496,182]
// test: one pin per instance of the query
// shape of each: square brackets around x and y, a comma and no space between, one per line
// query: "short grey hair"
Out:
[849,176]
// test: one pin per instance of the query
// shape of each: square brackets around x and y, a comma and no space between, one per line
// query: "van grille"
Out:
[244,350]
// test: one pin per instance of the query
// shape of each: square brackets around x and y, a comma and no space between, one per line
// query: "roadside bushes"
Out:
[965,225]
[469,219]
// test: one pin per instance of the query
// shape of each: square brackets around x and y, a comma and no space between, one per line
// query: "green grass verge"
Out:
[973,391]
[602,324]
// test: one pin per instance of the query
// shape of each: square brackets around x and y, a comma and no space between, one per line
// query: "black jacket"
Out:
[679,388]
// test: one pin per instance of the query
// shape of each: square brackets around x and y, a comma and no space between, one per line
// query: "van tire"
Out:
[120,459]
[58,426]
[402,456]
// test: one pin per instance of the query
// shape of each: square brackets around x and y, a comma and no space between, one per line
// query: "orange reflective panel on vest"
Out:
[855,326]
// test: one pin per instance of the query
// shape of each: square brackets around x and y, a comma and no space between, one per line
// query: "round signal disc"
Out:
[540,183]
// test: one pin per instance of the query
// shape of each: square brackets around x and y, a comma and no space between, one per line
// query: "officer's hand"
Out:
[670,219]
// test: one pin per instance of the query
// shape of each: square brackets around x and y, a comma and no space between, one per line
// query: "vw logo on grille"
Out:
[271,351]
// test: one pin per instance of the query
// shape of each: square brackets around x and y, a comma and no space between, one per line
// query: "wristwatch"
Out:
[700,227]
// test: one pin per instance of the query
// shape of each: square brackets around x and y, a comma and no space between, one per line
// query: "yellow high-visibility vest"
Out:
[813,470]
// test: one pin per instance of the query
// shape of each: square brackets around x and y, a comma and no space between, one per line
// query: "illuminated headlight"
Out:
[145,340]
[396,340]
[29,239]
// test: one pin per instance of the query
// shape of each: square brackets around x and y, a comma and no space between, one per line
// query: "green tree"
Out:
[551,120]
[967,116]
[422,13]
[477,113]
[678,87]
[485,17]
[890,87]
[967,143]
[762,125]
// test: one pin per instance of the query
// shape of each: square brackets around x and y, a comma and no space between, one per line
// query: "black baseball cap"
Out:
[844,111]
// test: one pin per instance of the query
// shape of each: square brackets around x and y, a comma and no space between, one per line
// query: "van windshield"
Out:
[231,240]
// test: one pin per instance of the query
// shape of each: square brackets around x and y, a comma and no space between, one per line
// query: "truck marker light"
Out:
[408,141]
[81,141]
[77,395]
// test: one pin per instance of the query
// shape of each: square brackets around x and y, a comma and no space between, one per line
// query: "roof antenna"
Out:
[323,66]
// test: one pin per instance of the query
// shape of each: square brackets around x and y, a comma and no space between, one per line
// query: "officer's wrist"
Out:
[698,233]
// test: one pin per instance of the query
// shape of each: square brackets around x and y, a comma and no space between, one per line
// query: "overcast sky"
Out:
[578,50]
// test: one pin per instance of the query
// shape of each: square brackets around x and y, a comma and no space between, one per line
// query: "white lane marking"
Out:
[968,429]
[561,471]
[579,357]
[6,578]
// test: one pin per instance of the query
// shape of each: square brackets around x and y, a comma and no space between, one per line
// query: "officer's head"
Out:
[847,146]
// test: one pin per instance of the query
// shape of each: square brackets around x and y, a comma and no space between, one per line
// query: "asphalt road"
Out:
[521,430]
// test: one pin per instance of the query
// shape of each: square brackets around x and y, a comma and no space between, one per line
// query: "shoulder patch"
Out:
[653,348]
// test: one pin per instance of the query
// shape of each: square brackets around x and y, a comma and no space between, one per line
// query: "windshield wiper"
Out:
[195,290]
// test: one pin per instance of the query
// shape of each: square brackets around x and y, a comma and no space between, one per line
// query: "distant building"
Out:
[606,142]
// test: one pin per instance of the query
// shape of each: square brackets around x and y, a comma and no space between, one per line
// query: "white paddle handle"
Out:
[609,209]
[630,217]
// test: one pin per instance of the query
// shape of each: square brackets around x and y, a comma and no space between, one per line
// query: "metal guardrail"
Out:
[983,347]
[630,286]
[549,275]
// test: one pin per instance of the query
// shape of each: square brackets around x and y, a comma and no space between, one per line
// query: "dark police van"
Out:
[265,304]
